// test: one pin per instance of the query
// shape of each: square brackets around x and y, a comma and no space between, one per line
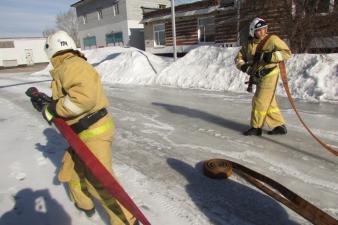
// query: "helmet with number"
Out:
[59,41]
[256,24]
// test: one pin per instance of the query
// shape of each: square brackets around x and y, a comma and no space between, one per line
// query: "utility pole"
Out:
[173,28]
[238,2]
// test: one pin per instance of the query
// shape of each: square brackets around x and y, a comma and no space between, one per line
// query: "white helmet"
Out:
[57,42]
[256,24]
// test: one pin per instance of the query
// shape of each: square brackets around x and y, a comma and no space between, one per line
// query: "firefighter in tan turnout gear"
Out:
[78,97]
[263,65]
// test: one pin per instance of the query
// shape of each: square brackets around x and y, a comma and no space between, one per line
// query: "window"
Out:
[89,42]
[206,29]
[227,3]
[159,34]
[116,10]
[99,14]
[322,6]
[325,6]
[114,39]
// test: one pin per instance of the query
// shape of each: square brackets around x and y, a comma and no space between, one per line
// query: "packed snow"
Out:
[170,116]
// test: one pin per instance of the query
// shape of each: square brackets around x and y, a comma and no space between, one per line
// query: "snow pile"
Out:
[126,65]
[44,72]
[205,67]
[312,77]
[118,65]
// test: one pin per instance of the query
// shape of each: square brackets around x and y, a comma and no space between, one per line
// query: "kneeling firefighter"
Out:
[78,97]
[259,58]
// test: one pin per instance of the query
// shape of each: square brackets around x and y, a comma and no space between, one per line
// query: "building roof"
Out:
[181,14]
[81,2]
[20,38]
[200,7]
[180,9]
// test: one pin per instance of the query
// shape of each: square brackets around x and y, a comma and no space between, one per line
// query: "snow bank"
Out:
[312,77]
[206,68]
[44,72]
[126,65]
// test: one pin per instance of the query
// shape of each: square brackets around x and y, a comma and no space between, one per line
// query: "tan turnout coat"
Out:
[264,106]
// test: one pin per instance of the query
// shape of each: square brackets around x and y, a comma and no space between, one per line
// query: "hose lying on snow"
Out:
[221,168]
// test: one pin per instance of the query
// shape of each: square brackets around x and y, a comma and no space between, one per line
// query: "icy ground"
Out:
[162,136]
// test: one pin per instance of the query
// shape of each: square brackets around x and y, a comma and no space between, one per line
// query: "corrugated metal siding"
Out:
[10,63]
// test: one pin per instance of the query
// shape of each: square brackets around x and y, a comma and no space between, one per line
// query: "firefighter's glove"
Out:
[40,100]
[267,57]
[49,112]
[246,68]
[263,57]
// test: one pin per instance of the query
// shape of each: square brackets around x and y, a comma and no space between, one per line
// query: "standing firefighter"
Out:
[262,67]
[78,97]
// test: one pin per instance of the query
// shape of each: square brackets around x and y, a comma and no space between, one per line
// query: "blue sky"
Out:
[28,18]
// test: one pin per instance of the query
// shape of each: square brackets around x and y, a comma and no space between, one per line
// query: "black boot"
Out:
[253,132]
[278,130]
[88,212]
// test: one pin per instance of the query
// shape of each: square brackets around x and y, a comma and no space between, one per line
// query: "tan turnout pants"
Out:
[82,184]
[264,105]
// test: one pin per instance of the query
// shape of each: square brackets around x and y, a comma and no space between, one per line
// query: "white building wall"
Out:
[101,31]
[127,22]
[134,11]
[18,53]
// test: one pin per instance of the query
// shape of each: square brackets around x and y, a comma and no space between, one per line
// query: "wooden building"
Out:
[226,23]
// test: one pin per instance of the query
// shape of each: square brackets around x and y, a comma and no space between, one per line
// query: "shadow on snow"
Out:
[35,207]
[108,57]
[233,125]
[227,201]
[203,115]
[54,150]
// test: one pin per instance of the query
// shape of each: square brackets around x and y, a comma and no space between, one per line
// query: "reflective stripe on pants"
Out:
[82,185]
[264,105]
